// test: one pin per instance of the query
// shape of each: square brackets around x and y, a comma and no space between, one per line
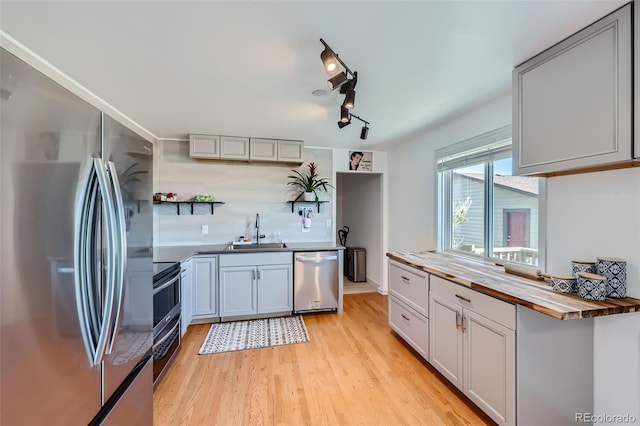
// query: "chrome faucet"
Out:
[258,235]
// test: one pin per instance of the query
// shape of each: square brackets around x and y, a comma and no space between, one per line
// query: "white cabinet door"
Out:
[238,291]
[264,149]
[204,286]
[573,103]
[489,366]
[187,297]
[445,338]
[234,148]
[275,288]
[204,146]
[291,151]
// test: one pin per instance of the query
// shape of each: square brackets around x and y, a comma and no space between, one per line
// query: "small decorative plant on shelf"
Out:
[309,182]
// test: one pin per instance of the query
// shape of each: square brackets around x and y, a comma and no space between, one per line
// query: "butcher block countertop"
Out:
[491,279]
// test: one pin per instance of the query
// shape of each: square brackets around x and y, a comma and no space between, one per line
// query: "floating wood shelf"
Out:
[191,203]
[296,201]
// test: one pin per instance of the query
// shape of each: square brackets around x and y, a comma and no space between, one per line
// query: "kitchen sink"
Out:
[254,247]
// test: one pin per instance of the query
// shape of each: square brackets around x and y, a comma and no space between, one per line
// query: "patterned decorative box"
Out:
[591,286]
[615,270]
[583,266]
[563,283]
[203,198]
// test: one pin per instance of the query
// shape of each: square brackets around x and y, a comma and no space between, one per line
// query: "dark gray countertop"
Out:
[179,253]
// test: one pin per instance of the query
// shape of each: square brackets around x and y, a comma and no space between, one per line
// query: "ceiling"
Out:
[248,68]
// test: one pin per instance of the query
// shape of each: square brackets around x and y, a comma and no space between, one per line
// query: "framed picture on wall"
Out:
[361,160]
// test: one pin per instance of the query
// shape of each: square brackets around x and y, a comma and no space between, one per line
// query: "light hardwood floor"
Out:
[354,371]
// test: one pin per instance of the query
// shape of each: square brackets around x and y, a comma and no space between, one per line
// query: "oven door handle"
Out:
[166,336]
[165,285]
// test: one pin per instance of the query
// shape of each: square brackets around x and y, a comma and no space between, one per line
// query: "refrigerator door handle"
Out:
[82,216]
[111,239]
[120,235]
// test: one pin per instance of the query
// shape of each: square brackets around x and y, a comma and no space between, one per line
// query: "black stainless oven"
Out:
[166,316]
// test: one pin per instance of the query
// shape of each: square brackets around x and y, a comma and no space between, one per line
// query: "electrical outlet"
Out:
[328,223]
[205,229]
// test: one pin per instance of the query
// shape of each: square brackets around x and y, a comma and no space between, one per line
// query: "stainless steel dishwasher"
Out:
[316,281]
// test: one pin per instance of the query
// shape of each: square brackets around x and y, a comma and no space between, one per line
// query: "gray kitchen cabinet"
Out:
[187,294]
[205,287]
[204,146]
[409,305]
[572,104]
[256,284]
[238,291]
[277,150]
[472,343]
[275,288]
[234,148]
[291,151]
[264,149]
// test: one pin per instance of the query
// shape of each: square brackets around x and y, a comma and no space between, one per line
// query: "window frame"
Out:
[444,193]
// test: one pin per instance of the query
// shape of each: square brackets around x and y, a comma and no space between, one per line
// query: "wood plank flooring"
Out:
[354,371]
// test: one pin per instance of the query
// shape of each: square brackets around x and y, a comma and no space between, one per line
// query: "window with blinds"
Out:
[483,210]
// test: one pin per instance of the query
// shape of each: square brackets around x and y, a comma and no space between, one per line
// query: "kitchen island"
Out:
[500,338]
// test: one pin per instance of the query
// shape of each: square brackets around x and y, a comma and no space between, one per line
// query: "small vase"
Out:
[308,196]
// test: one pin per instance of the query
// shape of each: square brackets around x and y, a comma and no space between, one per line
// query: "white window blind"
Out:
[490,146]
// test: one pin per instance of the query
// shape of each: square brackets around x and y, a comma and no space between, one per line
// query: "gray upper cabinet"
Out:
[234,148]
[204,146]
[291,151]
[264,149]
[572,104]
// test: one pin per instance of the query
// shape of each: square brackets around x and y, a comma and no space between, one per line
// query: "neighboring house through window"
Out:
[483,209]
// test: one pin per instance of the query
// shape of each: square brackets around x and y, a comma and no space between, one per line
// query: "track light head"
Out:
[329,60]
[350,99]
[337,80]
[345,117]
[364,132]
[341,124]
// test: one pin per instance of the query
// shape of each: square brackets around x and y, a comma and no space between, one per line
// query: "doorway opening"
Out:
[359,209]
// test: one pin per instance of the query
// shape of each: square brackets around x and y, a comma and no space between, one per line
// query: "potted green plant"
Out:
[308,181]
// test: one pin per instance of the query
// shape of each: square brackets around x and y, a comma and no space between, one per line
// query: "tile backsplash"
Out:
[246,189]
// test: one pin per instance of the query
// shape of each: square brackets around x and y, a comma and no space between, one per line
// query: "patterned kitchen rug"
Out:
[253,334]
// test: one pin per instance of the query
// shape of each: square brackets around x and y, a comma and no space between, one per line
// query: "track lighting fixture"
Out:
[344,115]
[337,80]
[364,132]
[330,61]
[350,99]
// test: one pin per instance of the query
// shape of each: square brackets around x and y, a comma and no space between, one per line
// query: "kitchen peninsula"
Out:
[498,337]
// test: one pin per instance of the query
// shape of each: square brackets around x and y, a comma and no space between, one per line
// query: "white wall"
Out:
[246,189]
[598,214]
[412,195]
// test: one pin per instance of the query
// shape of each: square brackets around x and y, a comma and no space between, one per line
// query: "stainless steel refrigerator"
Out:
[75,259]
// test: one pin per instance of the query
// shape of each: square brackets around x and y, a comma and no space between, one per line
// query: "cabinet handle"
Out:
[405,279]
[457,321]
[405,317]
[463,298]
[462,324]
[258,273]
[253,275]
